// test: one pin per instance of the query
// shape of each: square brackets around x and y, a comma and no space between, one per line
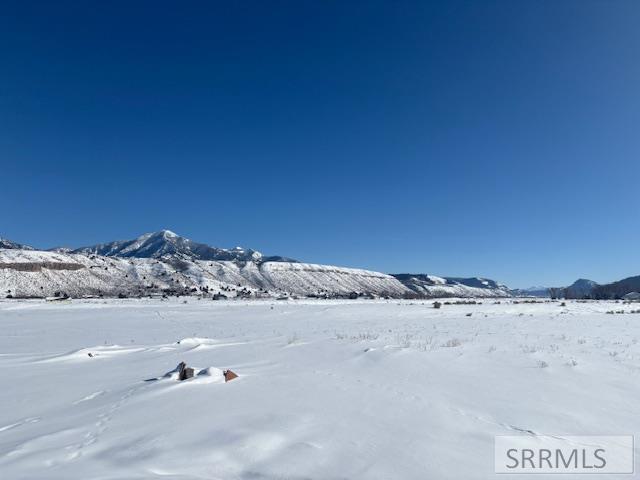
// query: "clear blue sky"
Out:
[495,138]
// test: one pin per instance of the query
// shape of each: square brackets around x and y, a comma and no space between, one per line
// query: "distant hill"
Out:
[537,291]
[617,290]
[423,284]
[587,289]
[581,288]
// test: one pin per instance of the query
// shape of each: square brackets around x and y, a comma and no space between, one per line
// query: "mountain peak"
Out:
[159,234]
[5,243]
[167,243]
[581,288]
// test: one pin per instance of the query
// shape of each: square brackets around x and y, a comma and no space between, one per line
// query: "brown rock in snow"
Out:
[184,372]
[229,375]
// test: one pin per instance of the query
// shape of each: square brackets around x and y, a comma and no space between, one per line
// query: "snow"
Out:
[433,286]
[43,273]
[165,242]
[142,276]
[437,280]
[326,389]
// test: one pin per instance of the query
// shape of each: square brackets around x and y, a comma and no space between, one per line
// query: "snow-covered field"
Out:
[326,390]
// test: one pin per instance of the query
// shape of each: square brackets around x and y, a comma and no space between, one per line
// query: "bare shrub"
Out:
[451,343]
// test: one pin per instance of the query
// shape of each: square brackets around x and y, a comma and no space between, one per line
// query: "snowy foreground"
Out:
[326,390]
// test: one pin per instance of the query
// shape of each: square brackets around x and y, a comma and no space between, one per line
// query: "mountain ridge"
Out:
[588,289]
[165,242]
[163,262]
[8,244]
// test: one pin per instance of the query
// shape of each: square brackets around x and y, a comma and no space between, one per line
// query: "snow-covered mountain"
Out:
[166,263]
[8,244]
[33,273]
[433,286]
[166,243]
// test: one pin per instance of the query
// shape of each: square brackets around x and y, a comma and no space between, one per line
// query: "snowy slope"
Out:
[25,273]
[433,286]
[34,273]
[304,278]
[37,273]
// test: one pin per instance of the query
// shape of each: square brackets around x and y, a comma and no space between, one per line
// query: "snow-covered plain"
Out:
[326,389]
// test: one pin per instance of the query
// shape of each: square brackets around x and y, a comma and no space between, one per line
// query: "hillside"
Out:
[164,263]
[434,286]
[537,291]
[30,273]
[580,289]
[617,289]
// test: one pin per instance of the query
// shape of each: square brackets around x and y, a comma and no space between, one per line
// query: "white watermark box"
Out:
[612,454]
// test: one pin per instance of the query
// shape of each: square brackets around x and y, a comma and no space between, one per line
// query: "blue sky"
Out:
[495,138]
